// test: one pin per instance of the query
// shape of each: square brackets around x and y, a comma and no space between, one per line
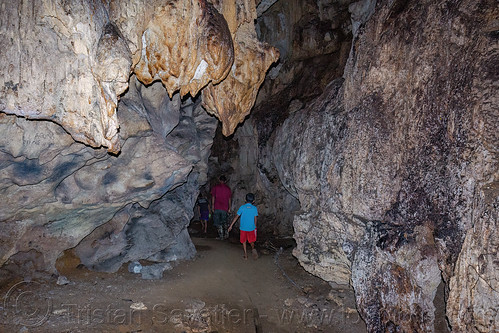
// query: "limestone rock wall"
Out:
[313,38]
[58,192]
[432,80]
[185,56]
[396,165]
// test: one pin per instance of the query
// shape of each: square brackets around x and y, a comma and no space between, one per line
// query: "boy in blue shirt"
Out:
[248,214]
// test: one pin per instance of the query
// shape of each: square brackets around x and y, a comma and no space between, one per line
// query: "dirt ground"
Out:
[218,291]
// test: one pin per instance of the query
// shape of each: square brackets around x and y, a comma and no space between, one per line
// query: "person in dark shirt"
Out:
[204,213]
[220,203]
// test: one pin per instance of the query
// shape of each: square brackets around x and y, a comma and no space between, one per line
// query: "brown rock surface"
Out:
[396,168]
[186,45]
[232,99]
[69,62]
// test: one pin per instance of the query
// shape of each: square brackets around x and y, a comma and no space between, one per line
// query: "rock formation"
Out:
[94,68]
[65,62]
[395,165]
[232,99]
[373,140]
[183,55]
[69,62]
[58,192]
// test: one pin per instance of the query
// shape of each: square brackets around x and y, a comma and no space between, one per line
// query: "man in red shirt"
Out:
[220,202]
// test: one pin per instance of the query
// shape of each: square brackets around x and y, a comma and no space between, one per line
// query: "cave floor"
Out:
[218,291]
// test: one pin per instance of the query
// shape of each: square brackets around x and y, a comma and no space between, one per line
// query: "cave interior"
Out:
[367,130]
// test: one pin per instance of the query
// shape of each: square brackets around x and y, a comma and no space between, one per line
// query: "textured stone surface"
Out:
[431,85]
[69,61]
[396,167]
[313,38]
[186,44]
[157,231]
[330,221]
[66,63]
[51,205]
[58,192]
[232,99]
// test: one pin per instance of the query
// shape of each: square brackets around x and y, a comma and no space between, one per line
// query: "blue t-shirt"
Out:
[247,213]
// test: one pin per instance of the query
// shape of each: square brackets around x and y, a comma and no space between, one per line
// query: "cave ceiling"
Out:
[69,61]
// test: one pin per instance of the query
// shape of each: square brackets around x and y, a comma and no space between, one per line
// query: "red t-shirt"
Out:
[222,194]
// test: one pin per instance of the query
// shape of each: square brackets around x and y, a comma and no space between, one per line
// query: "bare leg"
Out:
[245,253]
[253,250]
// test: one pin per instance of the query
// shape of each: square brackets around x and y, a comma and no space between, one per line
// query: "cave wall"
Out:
[135,78]
[426,72]
[126,207]
[313,38]
[395,164]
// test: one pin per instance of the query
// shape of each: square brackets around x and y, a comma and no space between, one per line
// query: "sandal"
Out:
[255,254]
[245,257]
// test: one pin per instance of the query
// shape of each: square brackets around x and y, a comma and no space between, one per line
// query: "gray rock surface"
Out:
[157,231]
[154,272]
[396,167]
[58,192]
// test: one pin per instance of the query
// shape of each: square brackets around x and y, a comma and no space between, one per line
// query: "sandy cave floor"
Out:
[218,291]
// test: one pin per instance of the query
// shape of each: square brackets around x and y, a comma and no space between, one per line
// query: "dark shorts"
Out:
[205,215]
[249,236]
[219,217]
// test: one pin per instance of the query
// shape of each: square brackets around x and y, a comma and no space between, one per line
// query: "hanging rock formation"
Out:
[69,62]
[183,55]
[94,68]
[232,99]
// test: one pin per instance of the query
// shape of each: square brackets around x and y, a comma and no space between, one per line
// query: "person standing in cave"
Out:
[221,200]
[204,213]
[248,214]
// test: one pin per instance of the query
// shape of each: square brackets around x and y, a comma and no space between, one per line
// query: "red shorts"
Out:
[249,236]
